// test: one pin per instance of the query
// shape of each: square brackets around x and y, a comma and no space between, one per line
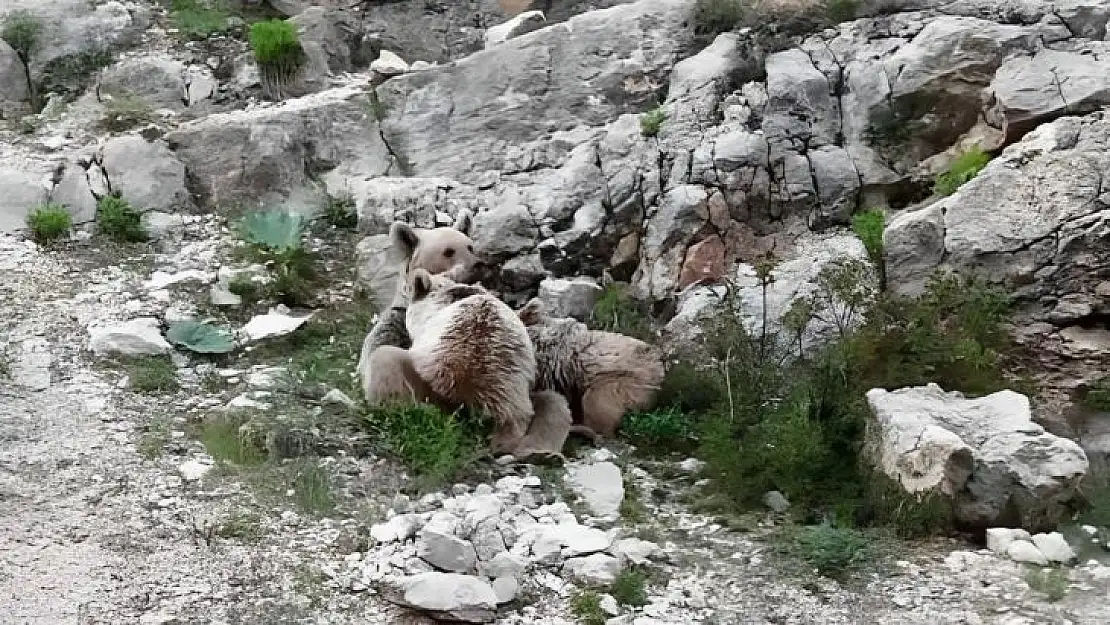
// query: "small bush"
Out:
[21,30]
[116,218]
[1052,583]
[665,427]
[153,375]
[340,213]
[833,551]
[630,587]
[278,52]
[432,444]
[196,21]
[963,169]
[868,226]
[842,10]
[713,17]
[246,288]
[49,223]
[586,607]
[275,238]
[652,121]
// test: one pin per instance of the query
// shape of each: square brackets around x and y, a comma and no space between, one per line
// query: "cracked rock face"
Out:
[985,454]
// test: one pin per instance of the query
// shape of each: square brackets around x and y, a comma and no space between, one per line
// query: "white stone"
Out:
[504,564]
[1026,552]
[32,368]
[609,605]
[518,25]
[600,484]
[506,589]
[400,527]
[389,64]
[458,597]
[597,569]
[444,551]
[1054,547]
[272,324]
[193,470]
[999,538]
[137,337]
[635,550]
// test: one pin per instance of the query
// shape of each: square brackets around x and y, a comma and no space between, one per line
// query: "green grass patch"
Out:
[126,111]
[662,428]
[49,223]
[834,552]
[586,608]
[964,168]
[1051,583]
[340,213]
[868,226]
[630,587]
[652,121]
[617,311]
[117,219]
[153,375]
[278,53]
[275,238]
[241,525]
[842,10]
[311,487]
[434,445]
[228,445]
[197,20]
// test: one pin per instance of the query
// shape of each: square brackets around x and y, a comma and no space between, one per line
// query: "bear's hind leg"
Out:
[603,406]
[548,431]
[511,419]
[395,378]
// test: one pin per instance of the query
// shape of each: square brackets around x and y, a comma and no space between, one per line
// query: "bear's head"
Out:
[429,294]
[447,250]
[534,316]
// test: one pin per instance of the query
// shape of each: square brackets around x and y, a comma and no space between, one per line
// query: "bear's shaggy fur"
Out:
[603,375]
[469,347]
[437,250]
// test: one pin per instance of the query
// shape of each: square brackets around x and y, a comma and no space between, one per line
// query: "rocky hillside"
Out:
[194,241]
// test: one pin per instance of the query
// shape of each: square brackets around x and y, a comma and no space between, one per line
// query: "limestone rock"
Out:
[389,64]
[146,174]
[598,569]
[999,538]
[573,297]
[987,454]
[156,80]
[600,484]
[1054,547]
[444,551]
[272,324]
[451,596]
[523,23]
[1026,552]
[137,337]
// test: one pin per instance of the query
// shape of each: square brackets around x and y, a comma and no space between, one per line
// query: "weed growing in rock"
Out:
[196,21]
[126,111]
[1096,397]
[868,226]
[662,428]
[311,487]
[833,551]
[630,587]
[632,508]
[841,10]
[964,168]
[116,218]
[48,223]
[432,444]
[154,438]
[153,375]
[652,121]
[713,17]
[278,52]
[616,311]
[226,444]
[586,607]
[1052,583]
[340,212]
[241,525]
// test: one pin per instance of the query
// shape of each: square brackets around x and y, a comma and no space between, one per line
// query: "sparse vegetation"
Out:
[48,223]
[312,487]
[656,429]
[964,168]
[240,525]
[125,111]
[153,375]
[652,121]
[116,218]
[713,17]
[196,20]
[21,30]
[586,607]
[69,76]
[833,551]
[278,52]
[632,508]
[616,311]
[630,587]
[868,226]
[226,444]
[842,10]
[1052,583]
[340,212]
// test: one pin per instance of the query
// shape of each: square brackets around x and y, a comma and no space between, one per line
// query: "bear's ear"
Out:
[463,221]
[532,313]
[420,284]
[403,240]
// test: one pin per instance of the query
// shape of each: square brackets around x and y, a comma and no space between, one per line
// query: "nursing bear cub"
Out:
[602,375]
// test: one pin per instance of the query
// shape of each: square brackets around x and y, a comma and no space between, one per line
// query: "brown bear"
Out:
[468,347]
[437,250]
[602,375]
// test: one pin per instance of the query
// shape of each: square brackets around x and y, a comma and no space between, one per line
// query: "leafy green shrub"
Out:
[246,288]
[664,427]
[21,30]
[630,587]
[278,52]
[964,168]
[275,237]
[833,551]
[586,607]
[652,121]
[200,337]
[841,10]
[713,17]
[340,212]
[868,226]
[116,218]
[153,375]
[432,444]
[49,222]
[195,21]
